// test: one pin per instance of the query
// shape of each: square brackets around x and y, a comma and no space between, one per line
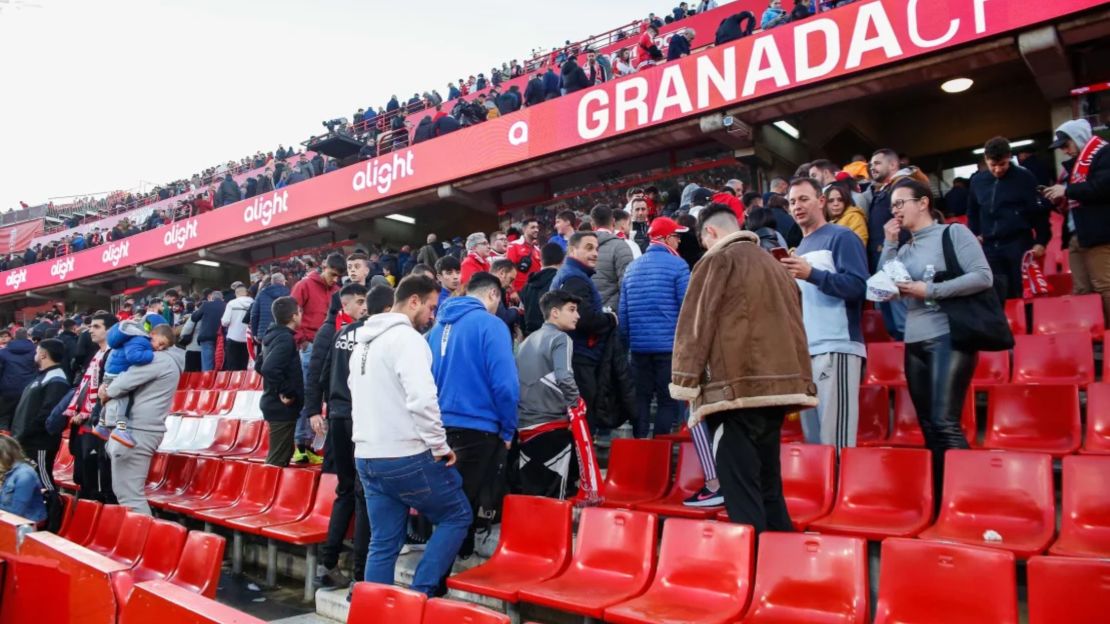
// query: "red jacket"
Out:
[314,296]
[643,47]
[472,264]
[731,201]
[519,250]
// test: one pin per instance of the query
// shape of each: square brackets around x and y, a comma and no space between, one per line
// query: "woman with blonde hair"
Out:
[20,486]
[843,211]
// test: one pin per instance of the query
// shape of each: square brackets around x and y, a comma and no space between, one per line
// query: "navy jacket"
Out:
[677,47]
[423,130]
[534,92]
[453,93]
[445,125]
[1007,209]
[208,319]
[651,297]
[594,325]
[550,86]
[17,368]
[281,375]
[262,315]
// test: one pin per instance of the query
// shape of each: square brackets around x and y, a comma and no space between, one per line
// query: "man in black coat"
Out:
[282,380]
[17,370]
[40,398]
[534,91]
[228,191]
[574,79]
[679,45]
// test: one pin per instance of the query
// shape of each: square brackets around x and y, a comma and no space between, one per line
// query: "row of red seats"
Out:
[221,380]
[1066,358]
[153,549]
[374,602]
[888,492]
[705,573]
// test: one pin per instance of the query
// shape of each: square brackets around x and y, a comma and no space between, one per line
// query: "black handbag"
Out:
[975,322]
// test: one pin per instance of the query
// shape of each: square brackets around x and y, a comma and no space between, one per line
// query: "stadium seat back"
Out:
[164,603]
[229,487]
[1015,314]
[132,538]
[886,364]
[179,469]
[224,438]
[222,381]
[443,611]
[225,404]
[1042,419]
[1077,313]
[993,369]
[248,437]
[1085,521]
[373,602]
[205,472]
[1097,440]
[295,495]
[161,552]
[204,436]
[874,414]
[523,536]
[108,526]
[81,524]
[198,569]
[808,474]
[1066,358]
[873,328]
[1067,589]
[178,404]
[207,378]
[967,584]
[882,492]
[688,480]
[639,471]
[806,579]
[236,380]
[206,402]
[186,381]
[617,541]
[907,427]
[260,484]
[251,381]
[156,474]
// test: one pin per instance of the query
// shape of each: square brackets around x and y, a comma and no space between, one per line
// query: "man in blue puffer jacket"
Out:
[651,297]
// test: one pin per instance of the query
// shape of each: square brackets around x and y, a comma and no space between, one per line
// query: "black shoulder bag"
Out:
[976,322]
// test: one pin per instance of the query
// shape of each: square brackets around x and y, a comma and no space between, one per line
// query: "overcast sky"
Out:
[98,95]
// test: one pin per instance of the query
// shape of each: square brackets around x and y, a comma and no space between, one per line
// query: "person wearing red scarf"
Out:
[477,257]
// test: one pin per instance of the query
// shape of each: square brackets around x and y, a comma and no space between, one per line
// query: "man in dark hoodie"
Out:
[17,370]
[424,130]
[261,312]
[39,398]
[208,319]
[534,91]
[282,380]
[228,192]
[550,85]
[539,283]
[574,79]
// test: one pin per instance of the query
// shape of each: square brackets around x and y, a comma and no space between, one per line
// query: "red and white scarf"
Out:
[1083,164]
[664,245]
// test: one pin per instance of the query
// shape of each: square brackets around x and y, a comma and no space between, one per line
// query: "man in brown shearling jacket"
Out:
[741,358]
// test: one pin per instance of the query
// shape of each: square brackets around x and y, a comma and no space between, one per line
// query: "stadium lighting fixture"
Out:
[1013,145]
[207,263]
[788,129]
[401,218]
[957,85]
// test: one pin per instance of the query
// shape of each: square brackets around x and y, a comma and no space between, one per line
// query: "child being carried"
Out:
[131,344]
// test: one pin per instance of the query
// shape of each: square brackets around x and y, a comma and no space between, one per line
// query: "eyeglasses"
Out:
[899,203]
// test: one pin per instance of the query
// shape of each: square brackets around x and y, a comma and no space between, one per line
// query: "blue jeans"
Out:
[651,374]
[303,434]
[393,486]
[207,356]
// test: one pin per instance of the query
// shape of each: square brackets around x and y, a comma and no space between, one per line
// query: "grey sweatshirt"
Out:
[925,248]
[152,387]
[547,385]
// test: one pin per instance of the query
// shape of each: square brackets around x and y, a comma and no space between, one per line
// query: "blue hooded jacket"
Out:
[130,345]
[651,297]
[17,367]
[474,368]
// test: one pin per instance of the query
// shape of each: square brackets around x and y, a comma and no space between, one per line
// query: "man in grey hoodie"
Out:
[613,257]
[151,388]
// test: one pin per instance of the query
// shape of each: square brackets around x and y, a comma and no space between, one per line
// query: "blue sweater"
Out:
[651,297]
[832,297]
[474,368]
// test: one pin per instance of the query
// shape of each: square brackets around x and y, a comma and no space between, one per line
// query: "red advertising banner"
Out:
[19,236]
[846,41]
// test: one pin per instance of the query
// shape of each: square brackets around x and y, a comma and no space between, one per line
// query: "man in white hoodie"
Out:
[235,320]
[401,450]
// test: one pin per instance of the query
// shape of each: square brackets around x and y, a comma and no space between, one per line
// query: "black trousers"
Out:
[7,412]
[350,502]
[938,377]
[1004,258]
[281,442]
[475,452]
[92,470]
[585,376]
[44,461]
[749,466]
[547,465]
[236,357]
[192,362]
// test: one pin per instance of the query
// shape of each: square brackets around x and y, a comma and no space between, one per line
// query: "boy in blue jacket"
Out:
[477,382]
[131,345]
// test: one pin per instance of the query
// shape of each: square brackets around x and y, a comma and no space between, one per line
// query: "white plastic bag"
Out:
[881,288]
[897,271]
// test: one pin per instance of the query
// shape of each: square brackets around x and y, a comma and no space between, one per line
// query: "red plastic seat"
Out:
[441,611]
[179,398]
[198,569]
[792,429]
[108,526]
[704,575]
[225,403]
[1005,493]
[639,471]
[1078,313]
[1063,589]
[1015,314]
[157,472]
[229,488]
[535,546]
[886,364]
[907,428]
[874,330]
[201,483]
[205,380]
[162,551]
[922,581]
[688,480]
[993,369]
[205,403]
[236,380]
[223,441]
[810,579]
[263,448]
[808,471]
[159,601]
[1097,440]
[132,539]
[874,415]
[179,469]
[81,524]
[186,381]
[374,602]
[248,435]
[882,492]
[251,381]
[313,528]
[613,561]
[1054,359]
[188,404]
[1061,283]
[222,380]
[292,502]
[1039,419]
[259,489]
[1085,522]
